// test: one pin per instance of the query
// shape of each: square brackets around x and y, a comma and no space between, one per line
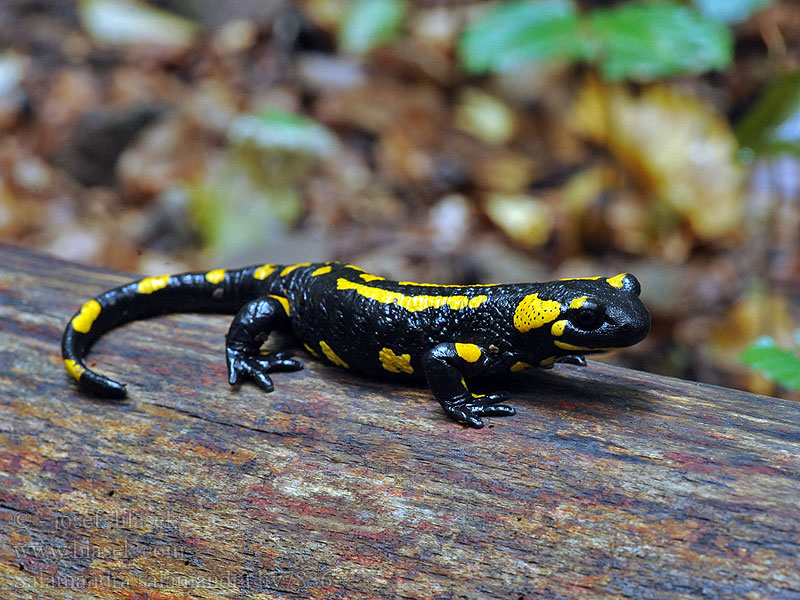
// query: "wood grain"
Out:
[608,483]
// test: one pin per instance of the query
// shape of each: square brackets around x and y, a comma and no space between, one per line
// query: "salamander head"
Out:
[587,315]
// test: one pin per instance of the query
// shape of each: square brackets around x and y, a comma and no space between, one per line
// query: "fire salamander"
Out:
[351,319]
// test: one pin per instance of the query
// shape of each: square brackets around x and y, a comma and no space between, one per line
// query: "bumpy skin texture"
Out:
[358,321]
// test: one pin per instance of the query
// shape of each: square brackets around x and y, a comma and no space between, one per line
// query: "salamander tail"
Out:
[216,291]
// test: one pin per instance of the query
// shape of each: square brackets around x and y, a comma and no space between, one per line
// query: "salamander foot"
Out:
[468,409]
[244,365]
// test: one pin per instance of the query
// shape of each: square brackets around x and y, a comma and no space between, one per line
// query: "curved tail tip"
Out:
[103,386]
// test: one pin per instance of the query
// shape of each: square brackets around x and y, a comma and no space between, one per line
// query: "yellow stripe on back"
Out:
[264,271]
[322,271]
[290,268]
[411,303]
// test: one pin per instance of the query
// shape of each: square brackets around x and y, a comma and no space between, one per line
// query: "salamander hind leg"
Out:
[248,331]
[445,367]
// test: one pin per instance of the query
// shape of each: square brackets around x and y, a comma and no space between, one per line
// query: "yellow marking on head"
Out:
[148,285]
[355,268]
[578,302]
[215,276]
[558,327]
[520,366]
[284,303]
[311,351]
[579,278]
[395,363]
[83,321]
[469,352]
[547,361]
[332,356]
[533,312]
[74,368]
[290,268]
[264,271]
[617,281]
[368,277]
[410,303]
[321,271]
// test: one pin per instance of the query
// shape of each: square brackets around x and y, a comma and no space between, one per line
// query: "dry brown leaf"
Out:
[681,149]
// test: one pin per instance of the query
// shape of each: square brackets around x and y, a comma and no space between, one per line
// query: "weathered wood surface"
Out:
[607,483]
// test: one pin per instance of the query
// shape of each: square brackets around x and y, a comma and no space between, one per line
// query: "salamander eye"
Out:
[589,316]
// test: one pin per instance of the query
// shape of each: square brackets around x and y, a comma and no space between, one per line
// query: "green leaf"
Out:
[637,40]
[777,364]
[131,22]
[272,129]
[647,41]
[729,11]
[369,23]
[514,33]
[773,125]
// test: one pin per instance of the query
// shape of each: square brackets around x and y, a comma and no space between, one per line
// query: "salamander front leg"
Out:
[249,330]
[445,367]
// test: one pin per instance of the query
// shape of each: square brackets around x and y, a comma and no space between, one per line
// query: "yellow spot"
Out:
[565,346]
[290,268]
[578,278]
[355,268]
[332,356]
[532,312]
[216,275]
[264,271]
[284,303]
[82,322]
[368,277]
[520,366]
[547,361]
[578,302]
[469,352]
[410,303]
[322,271]
[75,369]
[558,327]
[311,351]
[395,363]
[148,285]
[617,281]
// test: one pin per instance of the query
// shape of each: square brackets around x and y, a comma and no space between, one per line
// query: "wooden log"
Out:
[607,483]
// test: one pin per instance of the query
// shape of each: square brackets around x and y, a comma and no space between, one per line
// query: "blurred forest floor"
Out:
[178,145]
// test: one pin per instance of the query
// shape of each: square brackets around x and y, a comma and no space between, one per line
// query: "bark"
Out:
[607,483]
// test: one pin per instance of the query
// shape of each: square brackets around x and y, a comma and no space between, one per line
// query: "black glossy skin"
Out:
[444,334]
